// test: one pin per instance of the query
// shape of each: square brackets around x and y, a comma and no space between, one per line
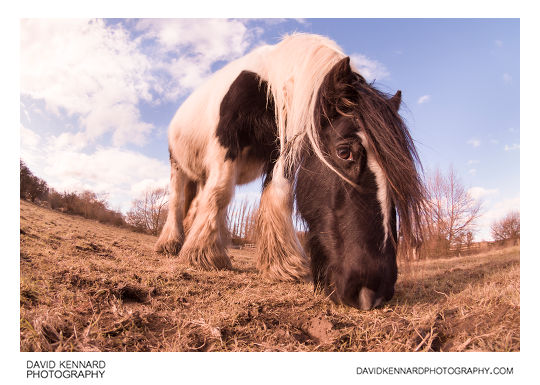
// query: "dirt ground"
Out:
[85,286]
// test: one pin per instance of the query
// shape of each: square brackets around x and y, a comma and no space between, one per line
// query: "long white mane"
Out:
[295,69]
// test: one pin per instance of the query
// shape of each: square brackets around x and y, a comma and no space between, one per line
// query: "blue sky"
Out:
[97,96]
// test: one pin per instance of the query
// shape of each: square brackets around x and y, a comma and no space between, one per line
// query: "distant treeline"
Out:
[448,224]
[87,203]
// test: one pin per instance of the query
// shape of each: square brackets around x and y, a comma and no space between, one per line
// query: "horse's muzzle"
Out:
[368,299]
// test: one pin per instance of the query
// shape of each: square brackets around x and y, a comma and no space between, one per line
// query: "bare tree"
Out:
[507,227]
[241,221]
[453,212]
[149,213]
[90,204]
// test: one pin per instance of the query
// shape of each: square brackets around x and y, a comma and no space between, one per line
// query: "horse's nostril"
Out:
[367,299]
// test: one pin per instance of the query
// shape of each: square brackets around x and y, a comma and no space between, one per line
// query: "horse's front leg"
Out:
[206,240]
[280,255]
[172,235]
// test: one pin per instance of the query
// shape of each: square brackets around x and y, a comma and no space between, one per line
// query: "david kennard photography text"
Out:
[65,369]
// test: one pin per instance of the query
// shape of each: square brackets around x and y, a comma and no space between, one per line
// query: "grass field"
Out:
[85,286]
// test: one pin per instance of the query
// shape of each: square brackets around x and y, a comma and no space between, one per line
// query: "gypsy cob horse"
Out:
[301,116]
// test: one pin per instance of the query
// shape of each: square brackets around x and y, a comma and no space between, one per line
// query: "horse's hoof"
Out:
[283,265]
[172,247]
[206,258]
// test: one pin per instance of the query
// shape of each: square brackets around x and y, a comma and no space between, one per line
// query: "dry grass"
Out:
[86,286]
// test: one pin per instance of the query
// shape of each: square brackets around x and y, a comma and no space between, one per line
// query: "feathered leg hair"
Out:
[280,254]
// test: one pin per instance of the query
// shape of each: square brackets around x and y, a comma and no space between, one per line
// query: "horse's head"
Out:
[357,171]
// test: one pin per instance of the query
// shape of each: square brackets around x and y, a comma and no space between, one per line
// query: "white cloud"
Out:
[29,147]
[29,139]
[481,192]
[302,21]
[138,189]
[499,43]
[86,69]
[507,78]
[187,48]
[95,77]
[67,141]
[497,211]
[513,147]
[472,171]
[473,161]
[474,142]
[217,39]
[369,68]
[424,99]
[121,118]
[112,171]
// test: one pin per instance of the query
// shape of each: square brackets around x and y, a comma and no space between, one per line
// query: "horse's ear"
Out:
[340,73]
[334,89]
[395,101]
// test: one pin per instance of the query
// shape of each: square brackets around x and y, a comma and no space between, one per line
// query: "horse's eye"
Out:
[344,153]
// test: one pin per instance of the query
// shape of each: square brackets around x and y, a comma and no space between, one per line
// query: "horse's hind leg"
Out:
[280,255]
[172,235]
[205,244]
